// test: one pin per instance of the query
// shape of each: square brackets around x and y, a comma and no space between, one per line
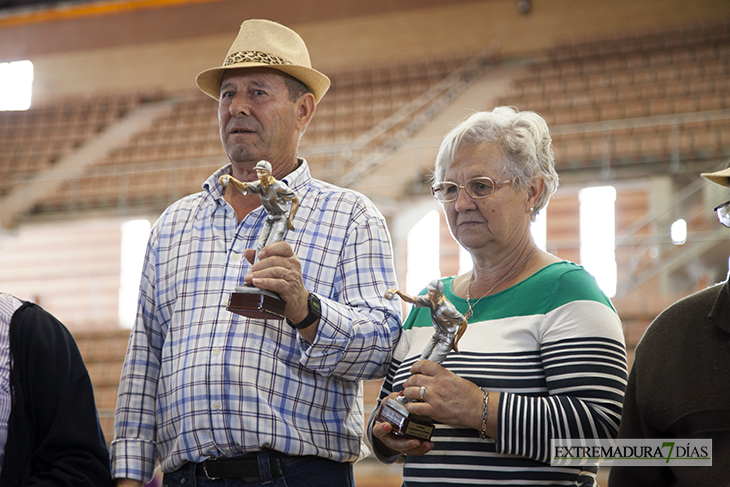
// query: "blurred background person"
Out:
[679,382]
[543,356]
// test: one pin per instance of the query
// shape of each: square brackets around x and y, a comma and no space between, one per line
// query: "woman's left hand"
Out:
[447,398]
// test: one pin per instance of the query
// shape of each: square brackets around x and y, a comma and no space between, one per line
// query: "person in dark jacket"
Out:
[49,428]
[678,387]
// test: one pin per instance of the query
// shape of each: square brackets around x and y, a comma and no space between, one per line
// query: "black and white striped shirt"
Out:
[553,346]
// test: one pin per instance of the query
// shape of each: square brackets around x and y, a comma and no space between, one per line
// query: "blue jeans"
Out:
[307,471]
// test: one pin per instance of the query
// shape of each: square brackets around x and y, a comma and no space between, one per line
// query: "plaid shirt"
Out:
[201,382]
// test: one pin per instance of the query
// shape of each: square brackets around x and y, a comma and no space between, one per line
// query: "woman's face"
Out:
[494,223]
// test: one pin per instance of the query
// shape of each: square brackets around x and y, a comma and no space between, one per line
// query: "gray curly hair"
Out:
[524,138]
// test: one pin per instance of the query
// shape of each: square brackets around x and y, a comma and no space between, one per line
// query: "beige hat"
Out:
[263,43]
[720,177]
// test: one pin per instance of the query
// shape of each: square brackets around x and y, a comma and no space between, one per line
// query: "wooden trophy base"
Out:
[253,302]
[404,423]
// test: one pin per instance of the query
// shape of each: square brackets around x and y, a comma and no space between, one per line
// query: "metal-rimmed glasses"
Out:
[723,213]
[477,188]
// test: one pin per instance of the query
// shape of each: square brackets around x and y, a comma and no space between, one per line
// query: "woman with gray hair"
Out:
[543,356]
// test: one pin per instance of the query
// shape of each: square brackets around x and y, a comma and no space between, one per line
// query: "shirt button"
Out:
[235,256]
[216,351]
[217,405]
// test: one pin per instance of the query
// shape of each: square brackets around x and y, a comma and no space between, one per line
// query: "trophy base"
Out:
[252,302]
[404,423]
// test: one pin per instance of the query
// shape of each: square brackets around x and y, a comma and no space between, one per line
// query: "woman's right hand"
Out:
[383,432]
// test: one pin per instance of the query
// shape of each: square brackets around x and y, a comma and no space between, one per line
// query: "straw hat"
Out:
[720,177]
[263,43]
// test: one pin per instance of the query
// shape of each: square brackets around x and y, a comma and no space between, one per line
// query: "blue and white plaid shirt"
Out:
[201,382]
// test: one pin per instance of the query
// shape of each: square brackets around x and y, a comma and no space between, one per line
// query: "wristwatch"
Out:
[315,312]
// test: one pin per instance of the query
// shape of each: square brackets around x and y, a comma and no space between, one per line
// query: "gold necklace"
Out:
[470,312]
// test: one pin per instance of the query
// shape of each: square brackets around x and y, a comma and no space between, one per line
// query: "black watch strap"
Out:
[315,312]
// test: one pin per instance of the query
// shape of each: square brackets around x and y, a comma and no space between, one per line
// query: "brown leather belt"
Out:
[245,467]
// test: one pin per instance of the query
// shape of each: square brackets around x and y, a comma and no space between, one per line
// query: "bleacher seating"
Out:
[650,102]
[174,156]
[31,141]
[637,99]
[103,352]
[361,98]
[646,99]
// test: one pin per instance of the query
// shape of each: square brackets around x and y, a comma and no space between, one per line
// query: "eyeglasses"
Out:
[477,188]
[723,213]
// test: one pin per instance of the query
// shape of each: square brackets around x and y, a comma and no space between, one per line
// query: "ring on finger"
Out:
[422,391]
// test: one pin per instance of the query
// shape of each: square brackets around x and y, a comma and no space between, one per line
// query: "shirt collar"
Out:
[297,180]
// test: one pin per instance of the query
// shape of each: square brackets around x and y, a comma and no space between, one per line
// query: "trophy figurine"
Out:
[248,300]
[450,325]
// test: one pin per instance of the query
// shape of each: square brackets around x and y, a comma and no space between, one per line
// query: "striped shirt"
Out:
[201,382]
[553,346]
[8,306]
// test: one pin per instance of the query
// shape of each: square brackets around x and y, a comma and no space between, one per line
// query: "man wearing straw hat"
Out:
[679,386]
[220,399]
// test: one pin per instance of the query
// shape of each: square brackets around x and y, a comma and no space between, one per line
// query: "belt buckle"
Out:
[205,469]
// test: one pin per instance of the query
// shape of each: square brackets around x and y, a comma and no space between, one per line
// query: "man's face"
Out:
[256,118]
[263,175]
